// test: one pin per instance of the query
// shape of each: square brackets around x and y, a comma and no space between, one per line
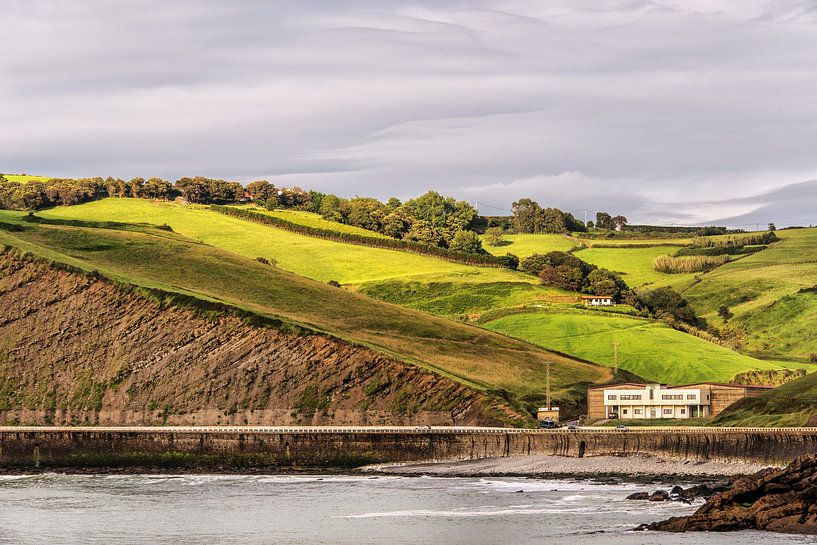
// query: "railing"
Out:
[413,430]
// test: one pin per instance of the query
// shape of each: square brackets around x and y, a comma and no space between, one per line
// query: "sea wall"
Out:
[327,447]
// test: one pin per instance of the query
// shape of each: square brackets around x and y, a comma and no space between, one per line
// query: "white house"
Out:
[598,301]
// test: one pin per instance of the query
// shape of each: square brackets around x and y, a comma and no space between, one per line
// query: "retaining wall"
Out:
[326,447]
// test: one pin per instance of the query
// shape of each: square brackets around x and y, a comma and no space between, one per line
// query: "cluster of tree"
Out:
[606,222]
[429,219]
[453,253]
[36,194]
[666,304]
[565,271]
[688,264]
[529,217]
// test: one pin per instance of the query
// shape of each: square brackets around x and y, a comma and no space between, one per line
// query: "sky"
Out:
[686,112]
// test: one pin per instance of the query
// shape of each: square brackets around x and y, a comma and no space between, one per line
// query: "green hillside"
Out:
[156,258]
[770,294]
[648,348]
[315,258]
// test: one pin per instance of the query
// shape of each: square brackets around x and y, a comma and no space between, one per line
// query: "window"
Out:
[683,411]
[637,411]
[611,397]
[624,411]
[667,411]
[672,396]
[631,397]
[691,396]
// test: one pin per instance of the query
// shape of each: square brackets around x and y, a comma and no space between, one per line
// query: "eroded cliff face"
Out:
[77,349]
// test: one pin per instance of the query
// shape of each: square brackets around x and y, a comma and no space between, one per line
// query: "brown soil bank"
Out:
[782,500]
[77,349]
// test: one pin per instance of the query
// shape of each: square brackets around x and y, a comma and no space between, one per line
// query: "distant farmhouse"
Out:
[648,401]
[598,301]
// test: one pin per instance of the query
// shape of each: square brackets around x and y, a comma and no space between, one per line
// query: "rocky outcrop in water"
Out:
[777,500]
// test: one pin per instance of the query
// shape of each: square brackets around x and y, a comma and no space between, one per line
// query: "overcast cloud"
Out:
[667,111]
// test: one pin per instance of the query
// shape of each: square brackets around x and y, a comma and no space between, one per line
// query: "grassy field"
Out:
[315,258]
[526,245]
[154,258]
[23,178]
[770,295]
[647,348]
[635,265]
[315,220]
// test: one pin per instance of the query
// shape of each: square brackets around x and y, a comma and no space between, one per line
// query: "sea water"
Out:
[336,509]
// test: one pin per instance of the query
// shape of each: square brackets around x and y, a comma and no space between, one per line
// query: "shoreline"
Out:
[637,468]
[598,468]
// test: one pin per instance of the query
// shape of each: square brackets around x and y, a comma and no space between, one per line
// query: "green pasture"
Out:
[650,349]
[635,265]
[523,246]
[310,219]
[312,257]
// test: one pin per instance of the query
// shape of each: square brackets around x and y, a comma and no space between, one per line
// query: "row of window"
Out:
[612,397]
[641,411]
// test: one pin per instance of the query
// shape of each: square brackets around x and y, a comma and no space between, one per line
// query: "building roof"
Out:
[638,384]
[597,296]
[728,385]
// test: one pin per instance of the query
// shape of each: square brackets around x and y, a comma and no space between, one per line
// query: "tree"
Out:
[263,193]
[365,212]
[494,236]
[396,224]
[565,277]
[590,224]
[604,282]
[331,208]
[603,221]
[527,216]
[725,313]
[423,231]
[466,242]
[393,203]
[772,227]
[669,301]
[444,214]
[618,223]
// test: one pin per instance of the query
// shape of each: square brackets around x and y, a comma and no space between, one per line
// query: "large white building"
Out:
[653,401]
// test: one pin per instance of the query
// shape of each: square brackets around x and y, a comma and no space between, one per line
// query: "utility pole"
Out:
[547,384]
[615,357]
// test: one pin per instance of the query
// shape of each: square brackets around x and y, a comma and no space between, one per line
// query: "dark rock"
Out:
[639,496]
[676,490]
[782,500]
[659,495]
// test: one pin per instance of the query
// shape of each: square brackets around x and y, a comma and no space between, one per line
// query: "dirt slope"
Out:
[76,349]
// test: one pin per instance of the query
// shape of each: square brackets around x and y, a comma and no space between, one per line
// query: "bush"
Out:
[334,283]
[688,264]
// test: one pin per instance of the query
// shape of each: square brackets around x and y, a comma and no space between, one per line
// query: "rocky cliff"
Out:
[75,348]
[782,500]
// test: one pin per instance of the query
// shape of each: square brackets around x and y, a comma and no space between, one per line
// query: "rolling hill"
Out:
[157,259]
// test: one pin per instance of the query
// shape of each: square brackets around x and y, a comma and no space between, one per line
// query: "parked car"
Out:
[621,427]
[547,424]
[612,416]
[572,427]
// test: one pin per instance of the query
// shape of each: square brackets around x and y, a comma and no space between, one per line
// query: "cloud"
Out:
[662,110]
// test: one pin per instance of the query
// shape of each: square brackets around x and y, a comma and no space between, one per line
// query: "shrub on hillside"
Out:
[688,264]
[667,301]
[568,272]
[736,240]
